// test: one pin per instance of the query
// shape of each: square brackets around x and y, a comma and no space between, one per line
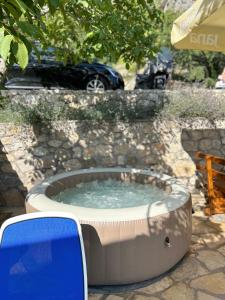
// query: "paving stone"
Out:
[214,240]
[142,297]
[188,269]
[95,296]
[200,226]
[212,259]
[195,248]
[179,291]
[157,287]
[222,250]
[197,240]
[203,296]
[114,297]
[212,283]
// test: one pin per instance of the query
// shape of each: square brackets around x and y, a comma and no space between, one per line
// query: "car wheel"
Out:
[96,84]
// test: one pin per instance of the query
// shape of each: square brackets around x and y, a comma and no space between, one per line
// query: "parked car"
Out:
[157,72]
[48,73]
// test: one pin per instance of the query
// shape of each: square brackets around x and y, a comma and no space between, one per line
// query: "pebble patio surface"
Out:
[199,276]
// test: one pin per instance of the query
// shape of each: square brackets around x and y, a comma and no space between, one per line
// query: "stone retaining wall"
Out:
[28,155]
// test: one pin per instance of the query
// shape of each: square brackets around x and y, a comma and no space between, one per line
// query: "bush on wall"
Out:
[187,103]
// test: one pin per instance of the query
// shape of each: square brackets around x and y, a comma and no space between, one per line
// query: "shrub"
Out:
[42,113]
[202,103]
[196,74]
[209,83]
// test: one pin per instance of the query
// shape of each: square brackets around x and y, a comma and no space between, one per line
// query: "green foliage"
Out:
[192,65]
[188,103]
[210,83]
[192,104]
[4,102]
[46,112]
[112,111]
[42,113]
[196,74]
[106,29]
[212,63]
[22,22]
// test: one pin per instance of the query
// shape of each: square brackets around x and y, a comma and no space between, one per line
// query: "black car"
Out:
[48,73]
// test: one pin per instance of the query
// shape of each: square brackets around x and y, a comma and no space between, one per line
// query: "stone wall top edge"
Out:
[110,92]
[192,123]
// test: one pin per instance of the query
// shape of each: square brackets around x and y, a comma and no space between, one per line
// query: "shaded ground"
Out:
[199,276]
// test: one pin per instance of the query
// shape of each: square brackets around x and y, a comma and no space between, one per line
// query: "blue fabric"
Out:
[41,259]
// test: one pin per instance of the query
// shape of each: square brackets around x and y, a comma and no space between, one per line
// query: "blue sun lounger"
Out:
[42,258]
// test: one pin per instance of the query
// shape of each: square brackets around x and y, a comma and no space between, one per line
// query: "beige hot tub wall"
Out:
[29,155]
[134,251]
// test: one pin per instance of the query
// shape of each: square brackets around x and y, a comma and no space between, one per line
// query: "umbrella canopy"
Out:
[201,27]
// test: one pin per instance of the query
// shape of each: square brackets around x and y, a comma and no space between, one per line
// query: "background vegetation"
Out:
[191,65]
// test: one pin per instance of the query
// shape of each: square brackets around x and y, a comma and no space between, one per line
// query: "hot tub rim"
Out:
[178,197]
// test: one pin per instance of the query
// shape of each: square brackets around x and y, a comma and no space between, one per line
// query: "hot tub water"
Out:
[111,194]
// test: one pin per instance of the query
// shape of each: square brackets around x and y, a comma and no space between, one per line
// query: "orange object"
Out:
[211,168]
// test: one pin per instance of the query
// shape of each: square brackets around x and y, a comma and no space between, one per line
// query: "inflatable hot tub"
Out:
[124,245]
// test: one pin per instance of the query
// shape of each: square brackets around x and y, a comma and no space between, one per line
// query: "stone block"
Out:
[213,283]
[187,269]
[62,155]
[77,152]
[48,162]
[73,138]
[179,291]
[83,143]
[190,146]
[67,145]
[121,149]
[157,286]
[203,296]
[40,151]
[72,164]
[205,144]
[25,165]
[8,140]
[55,143]
[211,259]
[121,160]
[211,133]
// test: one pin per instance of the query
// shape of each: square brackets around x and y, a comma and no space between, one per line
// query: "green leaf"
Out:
[22,6]
[1,33]
[54,3]
[14,11]
[5,44]
[28,28]
[22,55]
